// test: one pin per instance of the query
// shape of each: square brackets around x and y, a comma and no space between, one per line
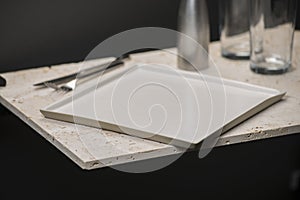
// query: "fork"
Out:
[71,83]
[71,79]
[63,88]
[83,76]
[67,87]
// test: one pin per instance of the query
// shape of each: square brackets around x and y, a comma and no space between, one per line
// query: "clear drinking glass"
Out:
[234,27]
[272,25]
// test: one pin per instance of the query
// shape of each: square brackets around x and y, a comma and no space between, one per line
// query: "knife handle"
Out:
[83,73]
[87,72]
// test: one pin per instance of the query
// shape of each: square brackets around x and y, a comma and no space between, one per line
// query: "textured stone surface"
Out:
[93,148]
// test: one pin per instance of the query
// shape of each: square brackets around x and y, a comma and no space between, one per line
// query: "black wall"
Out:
[37,33]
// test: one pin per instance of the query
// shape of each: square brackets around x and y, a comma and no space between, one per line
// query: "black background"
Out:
[39,33]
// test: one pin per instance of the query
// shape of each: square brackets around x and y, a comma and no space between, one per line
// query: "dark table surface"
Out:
[31,167]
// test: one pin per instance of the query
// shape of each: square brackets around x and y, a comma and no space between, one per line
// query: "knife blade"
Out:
[83,73]
[96,69]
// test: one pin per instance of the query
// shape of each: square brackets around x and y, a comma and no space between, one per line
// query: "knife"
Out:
[90,71]
[83,73]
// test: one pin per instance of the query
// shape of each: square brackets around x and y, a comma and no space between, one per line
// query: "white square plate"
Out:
[163,104]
